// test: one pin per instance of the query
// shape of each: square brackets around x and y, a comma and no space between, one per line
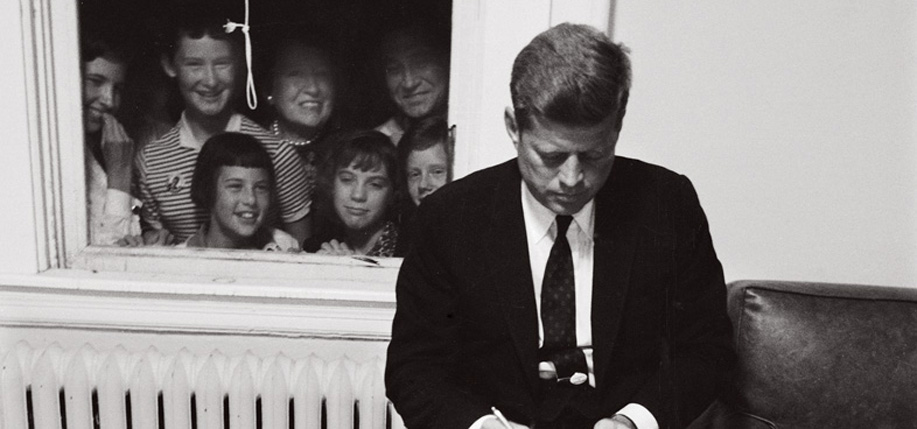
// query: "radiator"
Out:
[83,388]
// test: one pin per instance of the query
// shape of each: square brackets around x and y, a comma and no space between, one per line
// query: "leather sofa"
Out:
[819,355]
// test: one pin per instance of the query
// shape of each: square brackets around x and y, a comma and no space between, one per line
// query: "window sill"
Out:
[238,293]
[232,273]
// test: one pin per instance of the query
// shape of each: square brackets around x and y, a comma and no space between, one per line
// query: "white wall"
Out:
[797,122]
[492,32]
[18,234]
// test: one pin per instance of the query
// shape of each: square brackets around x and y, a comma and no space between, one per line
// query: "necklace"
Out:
[275,129]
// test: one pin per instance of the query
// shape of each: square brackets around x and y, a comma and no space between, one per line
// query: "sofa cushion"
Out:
[813,355]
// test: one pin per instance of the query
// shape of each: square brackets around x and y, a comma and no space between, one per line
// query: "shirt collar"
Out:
[538,218]
[186,138]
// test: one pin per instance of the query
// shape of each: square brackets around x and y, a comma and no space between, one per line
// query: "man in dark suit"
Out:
[568,287]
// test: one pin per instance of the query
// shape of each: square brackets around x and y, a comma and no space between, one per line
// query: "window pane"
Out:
[161,78]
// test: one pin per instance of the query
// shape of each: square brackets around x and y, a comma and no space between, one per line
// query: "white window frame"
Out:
[490,31]
[69,284]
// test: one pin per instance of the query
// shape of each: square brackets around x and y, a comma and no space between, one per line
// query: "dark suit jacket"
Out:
[465,333]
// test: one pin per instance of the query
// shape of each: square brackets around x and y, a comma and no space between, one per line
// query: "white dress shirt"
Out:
[392,129]
[540,230]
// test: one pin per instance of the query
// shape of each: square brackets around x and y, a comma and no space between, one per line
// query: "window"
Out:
[50,214]
[150,103]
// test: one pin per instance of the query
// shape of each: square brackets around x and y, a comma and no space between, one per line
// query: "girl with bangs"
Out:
[361,183]
[234,180]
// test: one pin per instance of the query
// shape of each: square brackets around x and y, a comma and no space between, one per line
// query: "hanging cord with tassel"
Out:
[250,95]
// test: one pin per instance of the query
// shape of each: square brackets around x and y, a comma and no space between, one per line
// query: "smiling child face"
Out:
[243,197]
[205,70]
[103,80]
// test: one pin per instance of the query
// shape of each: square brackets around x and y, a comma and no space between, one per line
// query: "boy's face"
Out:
[205,70]
[427,170]
[103,80]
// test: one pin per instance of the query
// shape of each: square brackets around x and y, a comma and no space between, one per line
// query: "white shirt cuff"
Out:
[480,422]
[641,417]
[637,413]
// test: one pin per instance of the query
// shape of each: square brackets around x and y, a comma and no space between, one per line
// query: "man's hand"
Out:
[335,247]
[615,422]
[157,237]
[494,423]
[118,151]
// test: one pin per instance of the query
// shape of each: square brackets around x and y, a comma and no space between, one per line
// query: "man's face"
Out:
[416,76]
[205,70]
[563,166]
[103,80]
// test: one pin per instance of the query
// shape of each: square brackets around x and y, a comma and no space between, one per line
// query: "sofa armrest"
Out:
[721,416]
[823,355]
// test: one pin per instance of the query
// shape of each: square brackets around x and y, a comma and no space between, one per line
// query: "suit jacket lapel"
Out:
[613,257]
[512,273]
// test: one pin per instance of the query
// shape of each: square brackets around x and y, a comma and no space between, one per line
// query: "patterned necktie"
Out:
[558,294]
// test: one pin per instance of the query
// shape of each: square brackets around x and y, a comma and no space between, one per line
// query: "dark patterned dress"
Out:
[388,241]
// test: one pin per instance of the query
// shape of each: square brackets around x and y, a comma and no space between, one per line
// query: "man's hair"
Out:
[196,20]
[427,36]
[365,151]
[227,150]
[424,134]
[570,74]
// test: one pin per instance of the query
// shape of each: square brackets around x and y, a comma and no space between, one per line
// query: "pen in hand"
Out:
[501,417]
